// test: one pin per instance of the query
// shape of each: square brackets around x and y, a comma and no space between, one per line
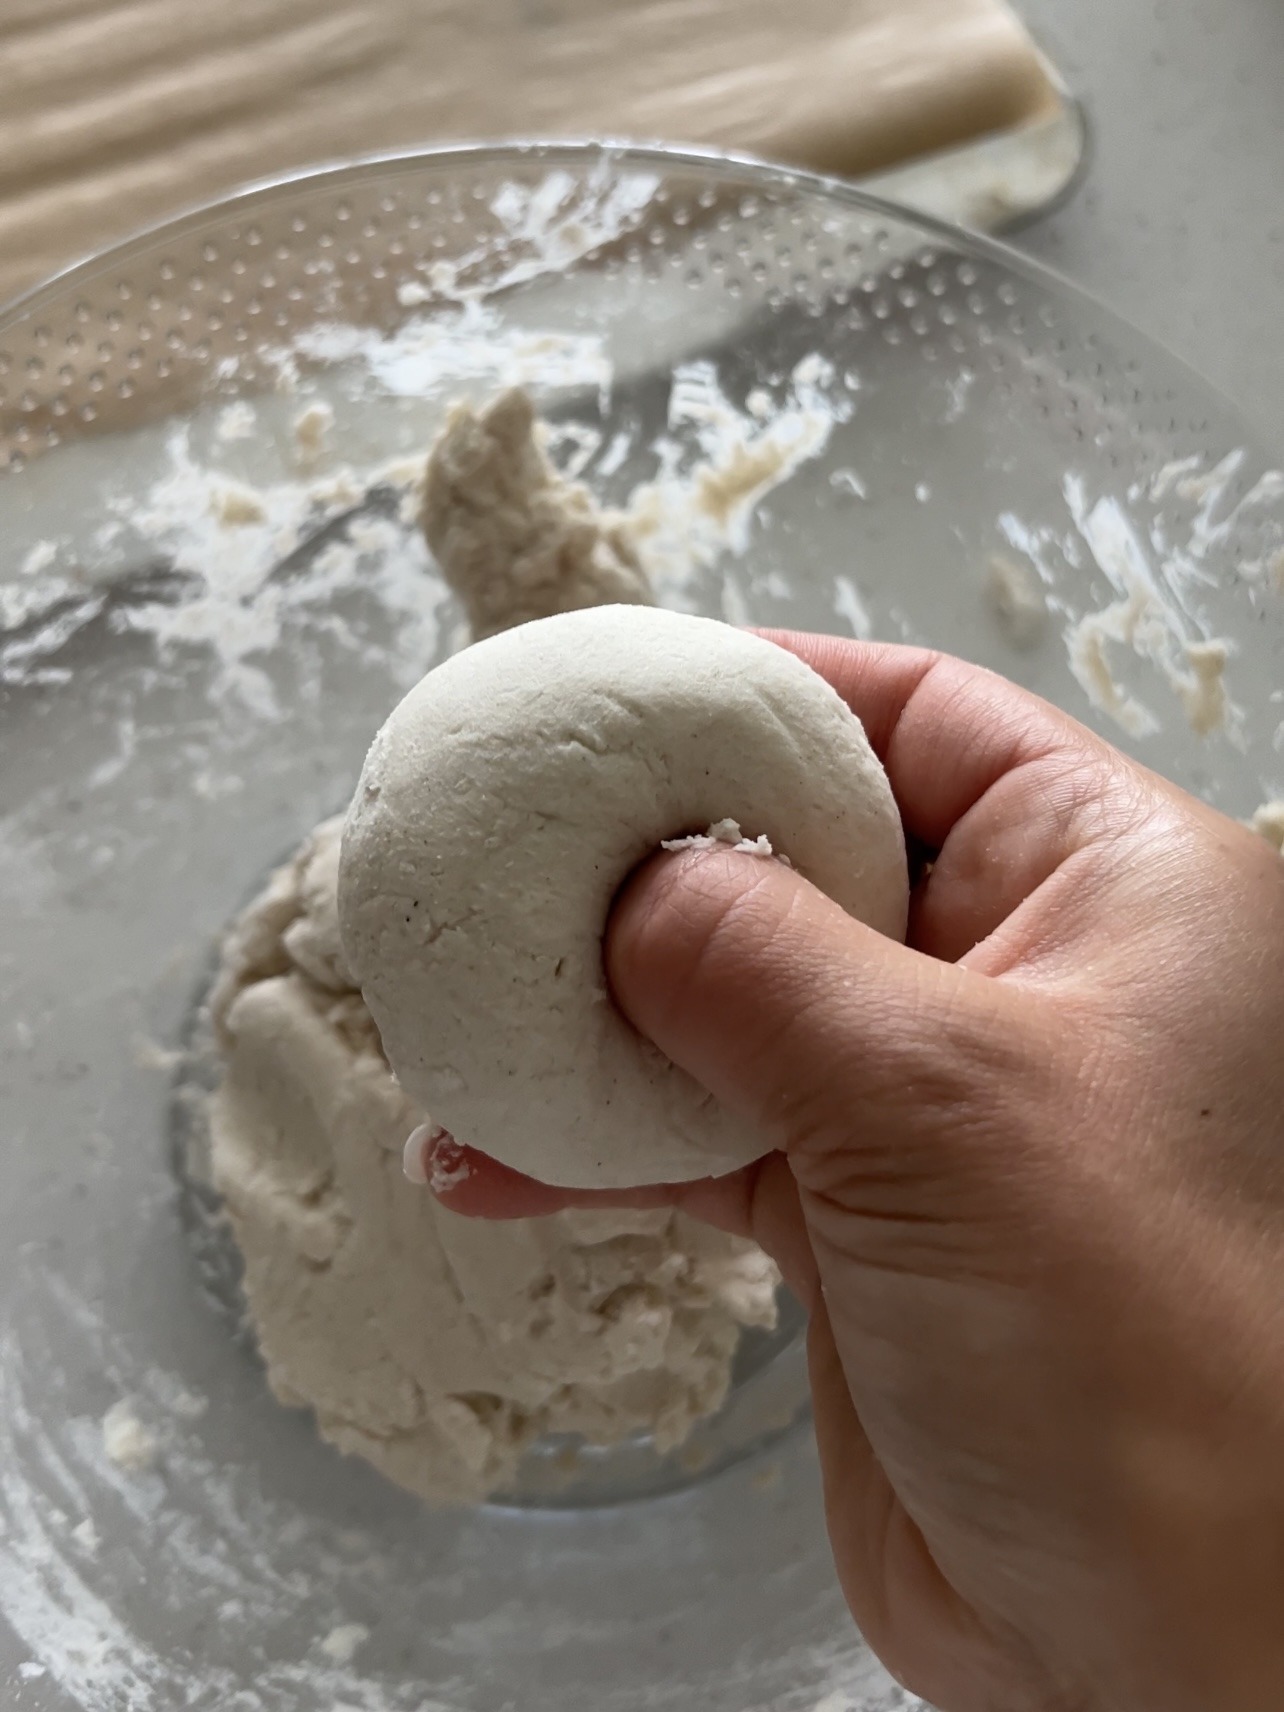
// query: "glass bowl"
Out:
[823,413]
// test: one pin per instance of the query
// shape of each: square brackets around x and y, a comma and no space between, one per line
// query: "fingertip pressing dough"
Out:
[499,810]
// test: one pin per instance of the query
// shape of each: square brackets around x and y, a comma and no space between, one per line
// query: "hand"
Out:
[1030,1184]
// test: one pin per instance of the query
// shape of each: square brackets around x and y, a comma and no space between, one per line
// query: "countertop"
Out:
[1179,225]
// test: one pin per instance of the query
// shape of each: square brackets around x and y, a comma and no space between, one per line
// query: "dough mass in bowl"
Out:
[499,810]
[441,1348]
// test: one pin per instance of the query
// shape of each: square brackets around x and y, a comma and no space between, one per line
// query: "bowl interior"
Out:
[819,413]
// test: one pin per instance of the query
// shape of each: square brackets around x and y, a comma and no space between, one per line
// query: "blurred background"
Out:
[118,113]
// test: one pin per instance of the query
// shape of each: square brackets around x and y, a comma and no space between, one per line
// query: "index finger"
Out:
[945,730]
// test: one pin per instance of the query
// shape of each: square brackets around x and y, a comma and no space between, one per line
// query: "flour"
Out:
[1153,573]
[85,1536]
[726,835]
[311,431]
[515,539]
[470,346]
[849,605]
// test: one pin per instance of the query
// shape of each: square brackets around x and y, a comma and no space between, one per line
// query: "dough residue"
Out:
[514,538]
[128,1442]
[1203,693]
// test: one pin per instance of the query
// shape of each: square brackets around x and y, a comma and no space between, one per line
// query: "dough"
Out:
[436,1347]
[499,810]
[513,537]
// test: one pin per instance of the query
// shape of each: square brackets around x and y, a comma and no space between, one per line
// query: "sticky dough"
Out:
[498,812]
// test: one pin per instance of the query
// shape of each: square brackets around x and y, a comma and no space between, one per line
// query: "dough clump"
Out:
[500,809]
[436,1347]
[514,539]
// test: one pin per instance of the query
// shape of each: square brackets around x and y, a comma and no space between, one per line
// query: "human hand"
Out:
[1030,1185]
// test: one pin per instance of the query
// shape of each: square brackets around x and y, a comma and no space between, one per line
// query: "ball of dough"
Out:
[499,810]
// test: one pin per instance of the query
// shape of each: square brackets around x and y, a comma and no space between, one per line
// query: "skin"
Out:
[1028,1178]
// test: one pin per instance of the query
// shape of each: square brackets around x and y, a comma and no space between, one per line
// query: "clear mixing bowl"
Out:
[822,413]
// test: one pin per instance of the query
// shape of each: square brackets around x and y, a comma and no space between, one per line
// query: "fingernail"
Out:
[446,1163]
[413,1161]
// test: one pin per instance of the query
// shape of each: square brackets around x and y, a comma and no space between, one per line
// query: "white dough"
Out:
[515,539]
[436,1347]
[499,810]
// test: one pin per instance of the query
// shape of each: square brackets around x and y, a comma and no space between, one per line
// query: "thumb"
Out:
[861,1058]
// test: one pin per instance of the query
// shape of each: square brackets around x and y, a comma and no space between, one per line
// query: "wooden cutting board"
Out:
[115,114]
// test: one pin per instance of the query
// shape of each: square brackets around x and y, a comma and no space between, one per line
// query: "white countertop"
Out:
[1180,223]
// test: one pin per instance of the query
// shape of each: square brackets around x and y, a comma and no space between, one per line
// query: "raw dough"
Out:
[500,809]
[436,1347]
[513,537]
[1018,601]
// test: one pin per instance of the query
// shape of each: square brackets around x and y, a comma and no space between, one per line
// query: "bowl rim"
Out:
[734,165]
